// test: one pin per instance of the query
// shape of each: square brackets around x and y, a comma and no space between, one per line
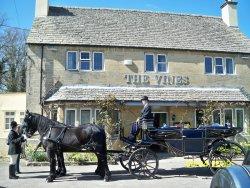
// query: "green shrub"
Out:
[81,157]
[38,156]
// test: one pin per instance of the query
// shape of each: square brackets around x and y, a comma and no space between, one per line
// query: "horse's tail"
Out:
[104,143]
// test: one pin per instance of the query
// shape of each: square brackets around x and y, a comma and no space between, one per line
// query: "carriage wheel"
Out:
[124,159]
[204,159]
[225,154]
[143,163]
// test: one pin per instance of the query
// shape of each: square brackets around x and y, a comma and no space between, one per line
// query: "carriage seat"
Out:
[193,133]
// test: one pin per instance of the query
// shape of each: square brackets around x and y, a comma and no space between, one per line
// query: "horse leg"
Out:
[107,173]
[99,168]
[61,170]
[52,160]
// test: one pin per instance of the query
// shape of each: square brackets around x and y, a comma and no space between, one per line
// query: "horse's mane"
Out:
[46,120]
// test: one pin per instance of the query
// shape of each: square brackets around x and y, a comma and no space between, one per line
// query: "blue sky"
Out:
[20,13]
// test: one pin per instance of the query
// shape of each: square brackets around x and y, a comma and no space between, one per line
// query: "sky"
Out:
[20,13]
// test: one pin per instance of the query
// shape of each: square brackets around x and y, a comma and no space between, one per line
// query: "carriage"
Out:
[207,142]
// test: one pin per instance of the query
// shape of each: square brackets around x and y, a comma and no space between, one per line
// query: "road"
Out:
[171,174]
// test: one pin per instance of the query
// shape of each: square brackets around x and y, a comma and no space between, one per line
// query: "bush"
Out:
[80,158]
[38,156]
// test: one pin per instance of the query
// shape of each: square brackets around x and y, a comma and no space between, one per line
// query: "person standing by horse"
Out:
[14,142]
[18,156]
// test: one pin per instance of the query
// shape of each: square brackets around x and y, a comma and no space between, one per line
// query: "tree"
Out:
[12,58]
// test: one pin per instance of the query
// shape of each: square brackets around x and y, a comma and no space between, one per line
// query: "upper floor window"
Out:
[149,63]
[161,63]
[9,117]
[85,61]
[98,61]
[229,66]
[71,60]
[208,65]
[219,66]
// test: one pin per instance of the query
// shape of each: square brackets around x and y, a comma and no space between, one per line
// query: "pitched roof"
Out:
[164,94]
[131,28]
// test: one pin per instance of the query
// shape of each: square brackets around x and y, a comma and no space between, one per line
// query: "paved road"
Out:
[171,172]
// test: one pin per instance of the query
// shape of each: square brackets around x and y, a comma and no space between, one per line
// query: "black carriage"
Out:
[207,142]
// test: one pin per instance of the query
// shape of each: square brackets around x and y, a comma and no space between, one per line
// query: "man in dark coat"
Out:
[146,113]
[14,142]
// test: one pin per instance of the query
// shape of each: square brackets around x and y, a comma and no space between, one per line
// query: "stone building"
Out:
[179,61]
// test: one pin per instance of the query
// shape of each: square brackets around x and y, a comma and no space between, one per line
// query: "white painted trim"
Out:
[145,54]
[90,117]
[166,62]
[77,64]
[65,114]
[93,60]
[90,62]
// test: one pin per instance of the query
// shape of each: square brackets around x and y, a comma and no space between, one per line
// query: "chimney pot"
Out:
[42,8]
[229,13]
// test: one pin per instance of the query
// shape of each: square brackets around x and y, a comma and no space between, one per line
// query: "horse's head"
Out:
[29,126]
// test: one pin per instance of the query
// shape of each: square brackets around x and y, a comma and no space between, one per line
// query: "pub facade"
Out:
[181,62]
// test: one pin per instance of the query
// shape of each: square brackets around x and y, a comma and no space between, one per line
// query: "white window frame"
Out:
[77,61]
[145,63]
[9,117]
[93,62]
[213,69]
[65,114]
[234,67]
[223,66]
[96,109]
[166,62]
[220,116]
[242,109]
[90,62]
[90,115]
[224,114]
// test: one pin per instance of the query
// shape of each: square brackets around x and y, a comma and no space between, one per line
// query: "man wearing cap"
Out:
[146,113]
[14,142]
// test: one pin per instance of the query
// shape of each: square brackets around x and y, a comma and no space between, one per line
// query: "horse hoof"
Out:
[49,180]
[106,179]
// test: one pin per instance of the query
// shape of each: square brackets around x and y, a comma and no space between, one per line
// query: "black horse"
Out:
[57,138]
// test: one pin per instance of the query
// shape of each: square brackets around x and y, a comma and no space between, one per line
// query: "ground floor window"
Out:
[239,113]
[85,116]
[217,116]
[9,117]
[199,117]
[70,116]
[228,116]
[53,115]
[160,118]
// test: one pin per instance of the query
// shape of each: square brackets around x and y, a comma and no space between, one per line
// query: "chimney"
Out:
[229,13]
[42,8]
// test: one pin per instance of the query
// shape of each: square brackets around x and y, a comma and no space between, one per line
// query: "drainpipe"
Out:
[41,80]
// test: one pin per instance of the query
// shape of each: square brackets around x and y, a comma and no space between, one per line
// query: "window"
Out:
[71,60]
[85,116]
[239,113]
[21,117]
[85,61]
[97,115]
[97,61]
[70,116]
[219,65]
[9,117]
[208,65]
[149,63]
[161,63]
[199,117]
[53,114]
[160,118]
[228,116]
[216,116]
[229,66]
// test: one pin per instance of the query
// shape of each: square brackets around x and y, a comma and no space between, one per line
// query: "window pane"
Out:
[229,66]
[228,116]
[239,117]
[162,67]
[98,64]
[216,116]
[21,113]
[12,113]
[85,116]
[85,65]
[219,66]
[161,58]
[97,116]
[70,117]
[208,65]
[71,60]
[149,63]
[85,55]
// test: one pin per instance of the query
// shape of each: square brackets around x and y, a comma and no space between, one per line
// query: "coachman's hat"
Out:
[144,98]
